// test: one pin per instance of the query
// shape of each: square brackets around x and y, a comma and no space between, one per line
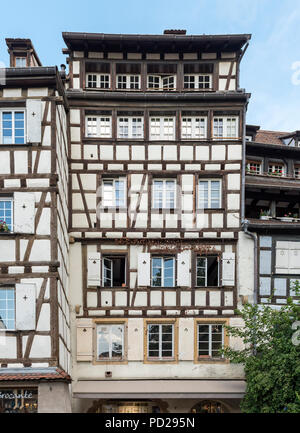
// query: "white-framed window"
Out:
[197,81]
[225,127]
[98,81]
[12,126]
[297,171]
[160,341]
[207,271]
[6,214]
[130,82]
[113,192]
[210,339]
[162,128]
[110,341]
[158,82]
[276,169]
[114,271]
[20,62]
[98,126]
[163,271]
[248,137]
[130,127]
[7,308]
[253,167]
[193,127]
[164,193]
[209,194]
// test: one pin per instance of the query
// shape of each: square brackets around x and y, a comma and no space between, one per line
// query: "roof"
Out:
[153,43]
[270,137]
[29,373]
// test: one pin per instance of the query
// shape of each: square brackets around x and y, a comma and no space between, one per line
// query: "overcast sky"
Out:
[267,67]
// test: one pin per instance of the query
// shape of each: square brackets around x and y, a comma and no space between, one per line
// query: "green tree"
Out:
[271,356]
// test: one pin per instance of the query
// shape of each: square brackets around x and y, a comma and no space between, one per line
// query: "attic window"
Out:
[20,62]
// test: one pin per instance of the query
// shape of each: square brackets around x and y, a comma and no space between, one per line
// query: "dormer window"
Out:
[130,82]
[21,62]
[161,77]
[276,169]
[198,81]
[98,81]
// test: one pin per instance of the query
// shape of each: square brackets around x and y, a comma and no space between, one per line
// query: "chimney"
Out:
[174,32]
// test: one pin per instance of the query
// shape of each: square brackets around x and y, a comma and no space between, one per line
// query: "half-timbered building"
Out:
[34,244]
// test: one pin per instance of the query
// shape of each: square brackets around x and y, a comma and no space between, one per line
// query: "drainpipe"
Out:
[245,224]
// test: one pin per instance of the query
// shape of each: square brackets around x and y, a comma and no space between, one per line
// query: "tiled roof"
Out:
[269,137]
[28,373]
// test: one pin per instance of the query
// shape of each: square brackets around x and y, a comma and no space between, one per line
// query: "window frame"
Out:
[197,82]
[193,127]
[280,165]
[249,164]
[24,61]
[130,127]
[13,289]
[114,180]
[198,256]
[107,322]
[98,81]
[209,198]
[161,86]
[164,193]
[297,171]
[162,135]
[225,340]
[11,200]
[110,257]
[174,359]
[225,126]
[99,119]
[128,81]
[163,258]
[13,111]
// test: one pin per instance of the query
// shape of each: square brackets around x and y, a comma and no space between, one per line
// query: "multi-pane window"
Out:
[6,213]
[197,81]
[7,308]
[98,126]
[20,62]
[160,341]
[156,82]
[164,191]
[131,82]
[253,167]
[98,81]
[110,342]
[163,271]
[193,127]
[113,193]
[207,269]
[162,128]
[225,127]
[297,171]
[130,127]
[209,194]
[113,271]
[12,128]
[276,169]
[210,339]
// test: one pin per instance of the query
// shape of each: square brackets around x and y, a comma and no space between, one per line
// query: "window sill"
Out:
[110,361]
[160,361]
[211,360]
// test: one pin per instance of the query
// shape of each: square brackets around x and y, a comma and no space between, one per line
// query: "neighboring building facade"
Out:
[34,306]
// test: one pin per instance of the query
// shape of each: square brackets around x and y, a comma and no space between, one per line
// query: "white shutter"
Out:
[25,307]
[282,257]
[24,212]
[183,268]
[34,120]
[144,273]
[94,269]
[294,257]
[228,269]
[84,340]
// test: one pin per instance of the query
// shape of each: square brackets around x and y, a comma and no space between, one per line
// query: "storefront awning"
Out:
[139,389]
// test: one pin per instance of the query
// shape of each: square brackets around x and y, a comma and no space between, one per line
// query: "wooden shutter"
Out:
[84,340]
[282,257]
[144,273]
[228,269]
[183,268]
[294,257]
[25,307]
[94,269]
[34,120]
[24,212]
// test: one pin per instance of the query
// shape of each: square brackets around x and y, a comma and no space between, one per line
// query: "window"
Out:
[163,271]
[253,167]
[12,129]
[113,269]
[7,308]
[193,127]
[162,128]
[164,194]
[198,81]
[131,82]
[130,127]
[110,342]
[210,339]
[207,271]
[113,193]
[225,127]
[276,169]
[160,341]
[157,82]
[20,62]
[297,171]
[98,126]
[98,81]
[209,194]
[6,214]
[248,137]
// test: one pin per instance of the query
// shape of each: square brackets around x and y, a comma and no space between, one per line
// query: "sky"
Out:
[270,69]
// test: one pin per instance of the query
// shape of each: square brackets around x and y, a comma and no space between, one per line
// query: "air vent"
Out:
[174,32]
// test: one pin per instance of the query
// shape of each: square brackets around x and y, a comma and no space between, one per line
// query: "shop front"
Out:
[19,400]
